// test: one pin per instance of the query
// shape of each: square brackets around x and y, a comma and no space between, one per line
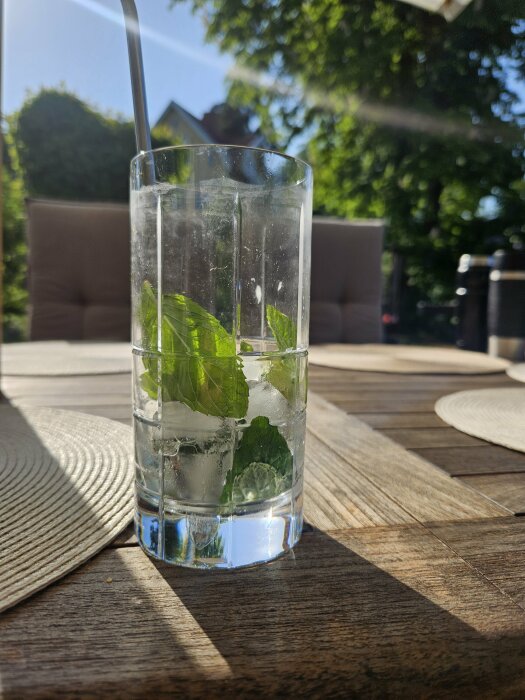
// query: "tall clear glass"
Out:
[220,307]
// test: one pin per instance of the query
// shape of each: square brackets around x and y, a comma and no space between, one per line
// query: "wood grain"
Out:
[417,486]
[376,605]
[495,549]
[486,459]
[401,420]
[330,377]
[431,437]
[368,612]
[506,489]
[337,495]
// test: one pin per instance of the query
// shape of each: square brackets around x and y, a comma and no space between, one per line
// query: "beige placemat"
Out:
[402,359]
[61,357]
[66,490]
[495,415]
[517,372]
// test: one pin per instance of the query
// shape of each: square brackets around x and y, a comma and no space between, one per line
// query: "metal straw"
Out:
[136,67]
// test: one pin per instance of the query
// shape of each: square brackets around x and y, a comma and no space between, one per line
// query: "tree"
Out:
[68,150]
[410,117]
[14,264]
[57,146]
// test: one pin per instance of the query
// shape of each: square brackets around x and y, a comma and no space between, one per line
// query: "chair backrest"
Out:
[79,274]
[346,281]
[79,270]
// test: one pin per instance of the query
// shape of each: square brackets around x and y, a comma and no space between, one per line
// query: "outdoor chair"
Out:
[79,274]
[79,270]
[346,281]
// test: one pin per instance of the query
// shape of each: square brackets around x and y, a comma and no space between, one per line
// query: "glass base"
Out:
[195,537]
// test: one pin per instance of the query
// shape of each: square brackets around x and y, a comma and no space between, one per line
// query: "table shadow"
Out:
[327,622]
[56,636]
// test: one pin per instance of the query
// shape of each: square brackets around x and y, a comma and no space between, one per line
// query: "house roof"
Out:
[222,124]
[192,122]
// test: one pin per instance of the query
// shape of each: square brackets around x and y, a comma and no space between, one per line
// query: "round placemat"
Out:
[495,415]
[405,359]
[66,490]
[517,372]
[62,357]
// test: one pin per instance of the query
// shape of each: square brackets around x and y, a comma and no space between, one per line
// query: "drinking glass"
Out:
[220,312]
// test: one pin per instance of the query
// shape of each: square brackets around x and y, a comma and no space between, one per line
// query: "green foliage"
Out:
[283,328]
[70,151]
[410,117]
[257,482]
[260,443]
[57,146]
[15,250]
[283,372]
[199,365]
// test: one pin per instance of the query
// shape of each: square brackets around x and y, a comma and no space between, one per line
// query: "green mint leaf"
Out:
[283,376]
[283,373]
[258,481]
[246,346]
[283,328]
[261,442]
[198,365]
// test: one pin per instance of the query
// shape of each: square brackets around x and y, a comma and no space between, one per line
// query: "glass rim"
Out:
[218,146]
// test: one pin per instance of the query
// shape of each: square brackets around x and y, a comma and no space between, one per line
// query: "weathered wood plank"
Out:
[336,377]
[401,420]
[506,489]
[496,549]
[337,495]
[417,486]
[368,612]
[357,402]
[373,392]
[431,437]
[463,461]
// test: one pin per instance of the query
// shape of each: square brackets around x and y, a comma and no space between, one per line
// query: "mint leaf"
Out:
[282,327]
[283,376]
[283,373]
[198,364]
[258,481]
[261,442]
[246,346]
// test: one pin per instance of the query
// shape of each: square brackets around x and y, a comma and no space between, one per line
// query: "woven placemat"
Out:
[61,357]
[405,359]
[66,490]
[517,372]
[495,415]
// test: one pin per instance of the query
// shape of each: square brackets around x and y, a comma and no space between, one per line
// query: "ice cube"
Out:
[196,476]
[178,420]
[198,452]
[253,369]
[265,400]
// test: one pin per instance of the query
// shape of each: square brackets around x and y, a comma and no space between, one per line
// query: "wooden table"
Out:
[409,580]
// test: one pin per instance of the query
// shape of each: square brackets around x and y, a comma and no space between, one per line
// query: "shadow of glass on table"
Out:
[383,611]
[386,611]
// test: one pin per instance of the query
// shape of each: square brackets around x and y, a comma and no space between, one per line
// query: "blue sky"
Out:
[82,43]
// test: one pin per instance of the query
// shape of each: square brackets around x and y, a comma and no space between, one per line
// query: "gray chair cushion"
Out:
[346,281]
[79,274]
[79,270]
